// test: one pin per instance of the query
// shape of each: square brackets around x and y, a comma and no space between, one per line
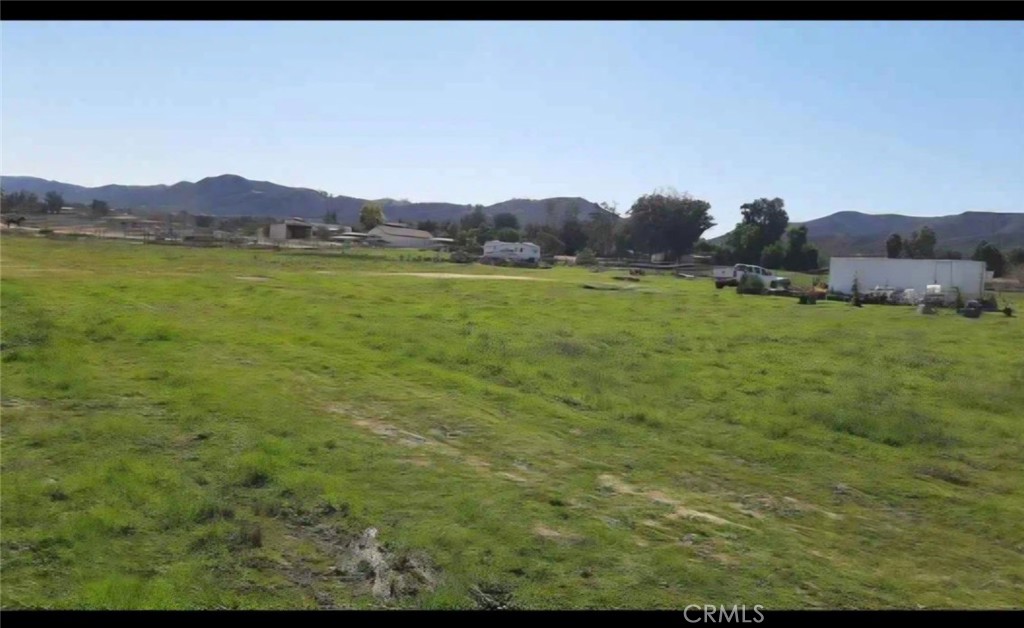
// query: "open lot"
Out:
[211,428]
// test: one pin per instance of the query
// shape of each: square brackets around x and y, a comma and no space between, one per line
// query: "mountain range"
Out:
[856,233]
[232,195]
[841,233]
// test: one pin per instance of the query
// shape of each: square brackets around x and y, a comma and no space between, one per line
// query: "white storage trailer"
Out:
[967,276]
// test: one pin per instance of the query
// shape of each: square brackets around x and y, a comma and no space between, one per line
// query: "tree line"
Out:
[662,222]
[922,245]
[51,203]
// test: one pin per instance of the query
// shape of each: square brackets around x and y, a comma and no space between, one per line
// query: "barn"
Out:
[291,229]
[965,276]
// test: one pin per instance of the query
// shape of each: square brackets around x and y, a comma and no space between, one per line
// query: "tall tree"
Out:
[746,243]
[769,215]
[53,202]
[893,245]
[371,215]
[474,219]
[921,244]
[600,230]
[331,218]
[993,258]
[506,220]
[572,235]
[99,208]
[1015,257]
[667,221]
[764,221]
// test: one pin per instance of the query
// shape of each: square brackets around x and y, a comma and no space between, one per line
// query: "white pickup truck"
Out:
[731,276]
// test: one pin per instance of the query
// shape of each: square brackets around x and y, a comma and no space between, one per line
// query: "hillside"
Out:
[232,195]
[856,233]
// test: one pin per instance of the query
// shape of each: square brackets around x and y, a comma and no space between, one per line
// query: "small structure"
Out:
[290,229]
[129,225]
[964,276]
[398,235]
[512,251]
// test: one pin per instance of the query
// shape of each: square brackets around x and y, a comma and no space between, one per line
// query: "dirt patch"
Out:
[411,439]
[387,575]
[383,429]
[252,278]
[550,534]
[682,512]
[461,276]
[619,486]
[757,506]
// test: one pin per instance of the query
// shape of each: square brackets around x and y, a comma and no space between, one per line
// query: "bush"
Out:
[586,257]
[750,284]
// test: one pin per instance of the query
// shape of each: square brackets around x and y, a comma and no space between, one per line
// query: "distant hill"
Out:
[232,195]
[856,233]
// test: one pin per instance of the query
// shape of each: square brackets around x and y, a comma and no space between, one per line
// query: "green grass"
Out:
[176,434]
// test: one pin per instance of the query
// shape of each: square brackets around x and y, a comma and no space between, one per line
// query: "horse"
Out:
[16,221]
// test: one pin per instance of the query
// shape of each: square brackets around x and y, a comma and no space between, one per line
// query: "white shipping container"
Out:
[967,276]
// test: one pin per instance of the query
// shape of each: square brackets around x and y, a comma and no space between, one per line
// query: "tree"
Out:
[331,218]
[506,234]
[1015,257]
[600,230]
[988,253]
[21,201]
[572,235]
[764,222]
[893,245]
[542,236]
[921,245]
[98,208]
[474,219]
[951,254]
[53,202]
[773,255]
[506,220]
[371,215]
[669,222]
[769,215]
[428,225]
[746,243]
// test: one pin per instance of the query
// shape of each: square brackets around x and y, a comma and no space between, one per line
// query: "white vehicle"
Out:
[512,251]
[731,276]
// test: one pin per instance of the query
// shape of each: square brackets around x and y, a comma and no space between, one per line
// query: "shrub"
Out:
[586,257]
[750,284]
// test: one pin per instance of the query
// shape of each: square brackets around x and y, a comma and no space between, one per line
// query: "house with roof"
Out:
[398,235]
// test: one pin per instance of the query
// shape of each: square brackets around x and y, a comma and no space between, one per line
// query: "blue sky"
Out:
[921,118]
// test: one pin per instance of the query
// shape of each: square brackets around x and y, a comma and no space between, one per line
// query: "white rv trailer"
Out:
[518,251]
[965,276]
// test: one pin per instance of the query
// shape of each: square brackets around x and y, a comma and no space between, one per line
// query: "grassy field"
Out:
[189,428]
